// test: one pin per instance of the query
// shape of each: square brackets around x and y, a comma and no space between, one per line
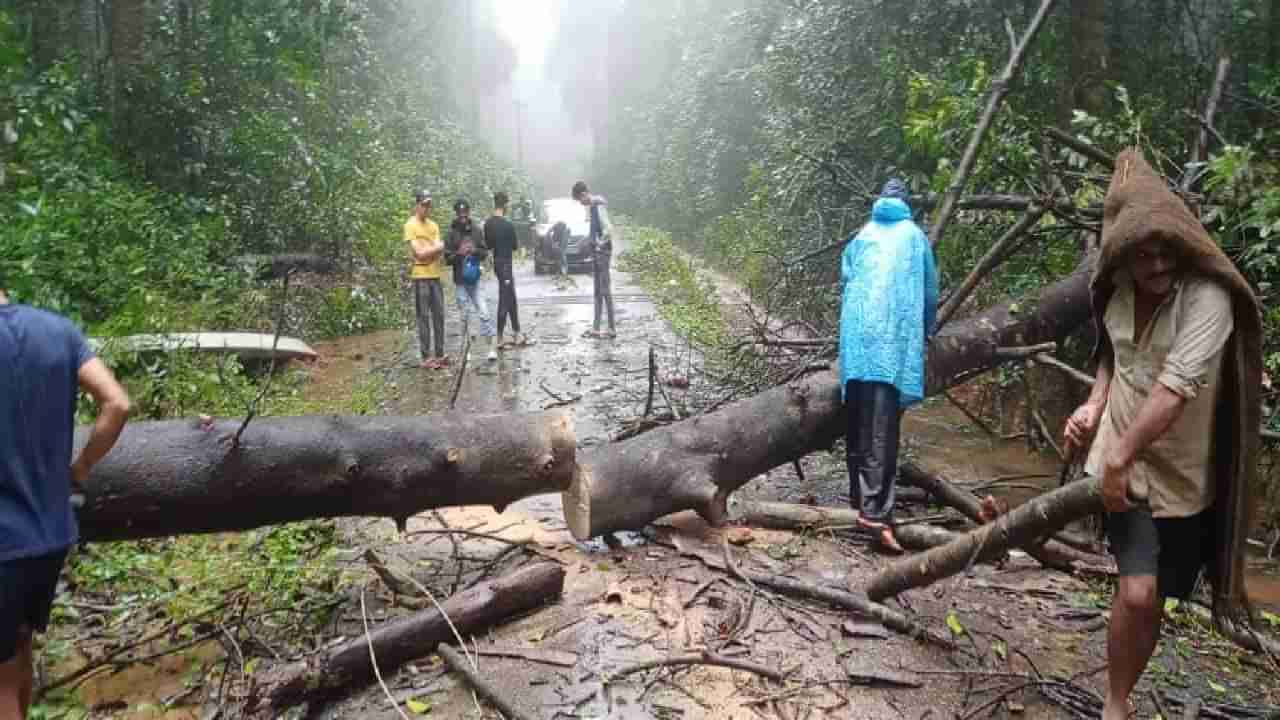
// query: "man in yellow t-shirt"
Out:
[423,236]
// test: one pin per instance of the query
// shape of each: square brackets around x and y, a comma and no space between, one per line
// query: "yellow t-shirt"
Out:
[424,233]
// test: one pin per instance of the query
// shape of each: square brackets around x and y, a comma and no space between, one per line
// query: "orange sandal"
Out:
[885,539]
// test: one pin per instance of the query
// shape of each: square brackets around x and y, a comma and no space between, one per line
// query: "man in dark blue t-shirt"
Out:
[44,360]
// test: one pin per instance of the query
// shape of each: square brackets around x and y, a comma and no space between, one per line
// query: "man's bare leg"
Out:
[16,680]
[1131,639]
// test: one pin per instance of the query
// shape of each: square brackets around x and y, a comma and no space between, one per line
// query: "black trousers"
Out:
[871,447]
[506,295]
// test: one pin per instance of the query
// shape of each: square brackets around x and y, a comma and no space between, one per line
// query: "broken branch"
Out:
[999,89]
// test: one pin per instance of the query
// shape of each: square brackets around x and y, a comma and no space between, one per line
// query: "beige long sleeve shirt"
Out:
[1181,348]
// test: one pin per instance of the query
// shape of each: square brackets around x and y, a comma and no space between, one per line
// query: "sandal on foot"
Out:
[885,539]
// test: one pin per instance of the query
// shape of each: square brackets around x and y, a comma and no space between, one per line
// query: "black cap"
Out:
[422,196]
[461,204]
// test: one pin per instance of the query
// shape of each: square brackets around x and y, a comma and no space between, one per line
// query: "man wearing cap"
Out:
[889,301]
[465,250]
[1176,409]
[44,361]
[423,235]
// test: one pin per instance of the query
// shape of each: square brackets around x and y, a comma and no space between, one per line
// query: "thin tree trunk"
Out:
[999,89]
[399,641]
[1037,518]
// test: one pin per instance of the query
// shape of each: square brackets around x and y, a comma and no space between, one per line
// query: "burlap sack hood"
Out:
[1140,206]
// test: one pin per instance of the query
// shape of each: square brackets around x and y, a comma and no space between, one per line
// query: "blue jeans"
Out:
[471,302]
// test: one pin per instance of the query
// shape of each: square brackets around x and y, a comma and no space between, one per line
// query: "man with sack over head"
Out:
[1174,414]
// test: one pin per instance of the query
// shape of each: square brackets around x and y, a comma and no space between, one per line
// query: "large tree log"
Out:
[404,639]
[180,477]
[698,463]
[1034,519]
[189,477]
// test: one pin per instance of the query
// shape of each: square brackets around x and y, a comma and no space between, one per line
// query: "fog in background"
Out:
[539,84]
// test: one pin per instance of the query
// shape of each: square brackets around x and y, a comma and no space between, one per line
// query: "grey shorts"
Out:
[1172,549]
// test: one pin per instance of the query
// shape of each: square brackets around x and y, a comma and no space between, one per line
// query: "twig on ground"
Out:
[373,658]
[462,364]
[486,689]
[705,657]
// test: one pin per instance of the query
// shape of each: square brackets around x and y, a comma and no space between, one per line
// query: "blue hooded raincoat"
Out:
[890,299]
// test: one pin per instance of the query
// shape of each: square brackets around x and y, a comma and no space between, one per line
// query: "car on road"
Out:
[562,226]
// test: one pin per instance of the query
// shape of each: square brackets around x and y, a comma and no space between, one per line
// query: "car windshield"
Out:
[564,210]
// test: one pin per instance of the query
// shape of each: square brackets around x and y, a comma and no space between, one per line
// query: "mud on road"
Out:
[656,594]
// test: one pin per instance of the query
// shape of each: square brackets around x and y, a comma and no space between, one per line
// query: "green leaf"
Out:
[953,622]
[418,707]
[1000,649]
[1221,689]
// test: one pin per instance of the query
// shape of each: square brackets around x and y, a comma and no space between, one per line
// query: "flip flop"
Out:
[885,540]
[591,334]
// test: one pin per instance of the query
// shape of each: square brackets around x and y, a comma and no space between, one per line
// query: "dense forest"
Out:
[156,154]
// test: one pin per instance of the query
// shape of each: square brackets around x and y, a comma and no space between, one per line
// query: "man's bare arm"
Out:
[113,411]
[426,251]
[1083,423]
[1162,407]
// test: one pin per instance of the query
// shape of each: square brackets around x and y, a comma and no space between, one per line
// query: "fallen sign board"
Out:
[250,346]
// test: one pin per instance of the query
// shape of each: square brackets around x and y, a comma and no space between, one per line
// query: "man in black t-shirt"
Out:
[501,237]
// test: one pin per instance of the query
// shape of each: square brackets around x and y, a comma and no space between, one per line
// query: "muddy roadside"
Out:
[656,594]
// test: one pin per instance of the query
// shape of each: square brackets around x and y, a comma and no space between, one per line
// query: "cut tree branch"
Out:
[999,89]
[1039,517]
[1201,151]
[1071,142]
[1000,251]
[404,639]
[699,463]
[184,476]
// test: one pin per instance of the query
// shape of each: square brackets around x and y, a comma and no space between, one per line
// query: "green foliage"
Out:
[687,301]
[187,576]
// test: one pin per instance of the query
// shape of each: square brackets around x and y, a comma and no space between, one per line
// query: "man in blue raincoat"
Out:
[889,302]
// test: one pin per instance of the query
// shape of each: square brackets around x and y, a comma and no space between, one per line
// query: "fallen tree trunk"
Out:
[1034,519]
[1055,553]
[180,477]
[412,636]
[183,477]
[912,536]
[698,463]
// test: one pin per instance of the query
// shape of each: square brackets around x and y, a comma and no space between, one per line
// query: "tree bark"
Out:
[1087,67]
[413,636]
[179,477]
[698,463]
[186,477]
[915,536]
[1037,518]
